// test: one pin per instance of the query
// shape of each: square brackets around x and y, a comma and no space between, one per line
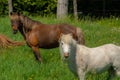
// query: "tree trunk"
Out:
[62,8]
[104,7]
[75,9]
[10,6]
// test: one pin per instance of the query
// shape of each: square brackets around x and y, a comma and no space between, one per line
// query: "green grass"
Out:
[18,63]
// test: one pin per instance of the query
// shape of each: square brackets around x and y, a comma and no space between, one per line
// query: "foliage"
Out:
[3,7]
[39,7]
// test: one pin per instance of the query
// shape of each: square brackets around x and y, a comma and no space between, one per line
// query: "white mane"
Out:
[82,59]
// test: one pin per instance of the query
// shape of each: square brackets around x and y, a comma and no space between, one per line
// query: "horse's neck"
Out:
[73,47]
[25,25]
[26,22]
[22,32]
[72,57]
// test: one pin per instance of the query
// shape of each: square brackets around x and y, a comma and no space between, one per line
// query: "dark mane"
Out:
[28,22]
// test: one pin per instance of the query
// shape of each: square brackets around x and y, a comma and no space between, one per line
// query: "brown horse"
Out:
[39,35]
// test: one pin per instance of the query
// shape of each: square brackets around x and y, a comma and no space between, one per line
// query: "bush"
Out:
[3,7]
[39,7]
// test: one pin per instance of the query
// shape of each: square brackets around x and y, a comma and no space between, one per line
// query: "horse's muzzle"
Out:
[66,55]
[14,31]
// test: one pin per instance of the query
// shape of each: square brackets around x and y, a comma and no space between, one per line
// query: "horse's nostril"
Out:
[14,31]
[66,55]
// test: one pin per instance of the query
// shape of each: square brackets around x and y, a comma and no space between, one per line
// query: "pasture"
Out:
[18,63]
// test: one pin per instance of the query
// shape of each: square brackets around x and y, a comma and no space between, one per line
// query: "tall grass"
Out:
[18,63]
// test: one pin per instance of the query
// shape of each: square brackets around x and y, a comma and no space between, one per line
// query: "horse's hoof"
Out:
[40,61]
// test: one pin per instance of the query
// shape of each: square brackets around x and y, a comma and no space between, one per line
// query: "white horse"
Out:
[82,59]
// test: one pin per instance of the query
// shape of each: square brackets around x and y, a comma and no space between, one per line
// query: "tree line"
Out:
[39,7]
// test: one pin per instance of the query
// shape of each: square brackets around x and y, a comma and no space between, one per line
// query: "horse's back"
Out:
[113,49]
[109,49]
[66,28]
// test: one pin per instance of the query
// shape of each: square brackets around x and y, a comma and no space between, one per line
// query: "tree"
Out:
[75,9]
[10,6]
[62,8]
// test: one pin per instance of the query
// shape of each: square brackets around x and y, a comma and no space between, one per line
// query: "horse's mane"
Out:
[28,22]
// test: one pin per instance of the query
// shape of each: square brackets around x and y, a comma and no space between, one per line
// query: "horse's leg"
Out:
[37,53]
[81,74]
[111,72]
[118,73]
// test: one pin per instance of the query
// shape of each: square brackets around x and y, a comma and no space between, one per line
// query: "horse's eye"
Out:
[61,43]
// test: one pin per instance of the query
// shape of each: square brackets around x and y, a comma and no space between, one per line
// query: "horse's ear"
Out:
[18,13]
[60,37]
[11,13]
[70,34]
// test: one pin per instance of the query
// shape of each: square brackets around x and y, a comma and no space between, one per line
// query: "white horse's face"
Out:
[64,49]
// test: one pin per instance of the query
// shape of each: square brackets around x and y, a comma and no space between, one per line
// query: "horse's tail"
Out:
[80,36]
[6,42]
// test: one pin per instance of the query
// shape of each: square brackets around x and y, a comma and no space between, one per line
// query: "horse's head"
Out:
[64,43]
[15,21]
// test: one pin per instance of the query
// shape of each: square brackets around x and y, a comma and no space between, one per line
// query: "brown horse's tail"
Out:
[80,36]
[6,42]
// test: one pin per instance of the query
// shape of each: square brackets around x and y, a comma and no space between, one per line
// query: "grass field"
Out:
[18,63]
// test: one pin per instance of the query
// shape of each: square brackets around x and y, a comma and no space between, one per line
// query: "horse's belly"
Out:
[101,69]
[49,45]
